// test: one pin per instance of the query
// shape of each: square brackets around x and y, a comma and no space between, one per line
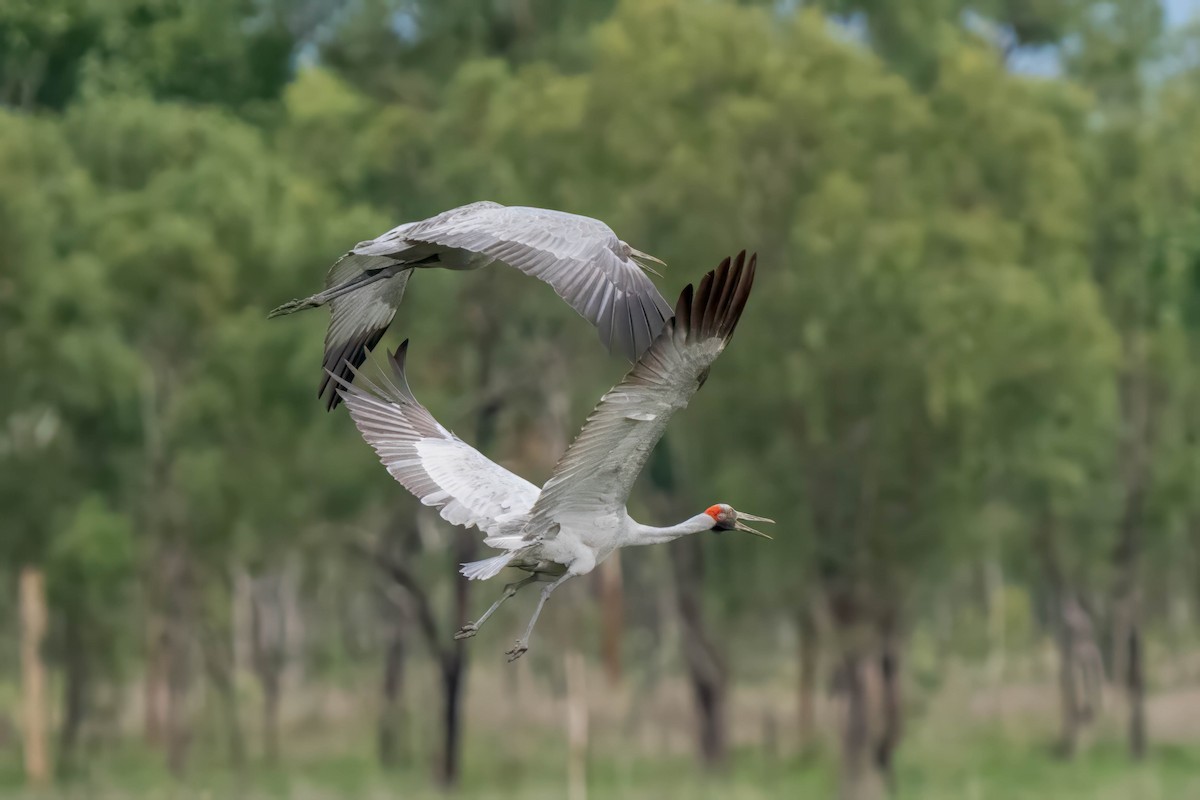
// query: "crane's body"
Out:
[596,273]
[579,518]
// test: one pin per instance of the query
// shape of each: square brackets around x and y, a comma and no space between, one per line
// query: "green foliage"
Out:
[93,558]
[227,52]
[961,271]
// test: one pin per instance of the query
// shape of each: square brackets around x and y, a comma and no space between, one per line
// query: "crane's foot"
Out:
[517,651]
[467,631]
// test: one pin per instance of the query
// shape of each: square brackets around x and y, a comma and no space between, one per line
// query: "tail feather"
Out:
[487,568]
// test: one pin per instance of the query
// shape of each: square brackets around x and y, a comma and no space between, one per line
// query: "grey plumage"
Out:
[578,518]
[596,273]
[439,469]
[595,475]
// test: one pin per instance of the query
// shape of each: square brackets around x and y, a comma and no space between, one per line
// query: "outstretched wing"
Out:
[595,475]
[358,319]
[440,469]
[580,257]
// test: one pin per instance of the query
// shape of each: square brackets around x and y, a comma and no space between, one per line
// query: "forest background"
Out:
[967,386]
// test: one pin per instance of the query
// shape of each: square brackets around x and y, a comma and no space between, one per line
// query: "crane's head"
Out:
[641,258]
[727,518]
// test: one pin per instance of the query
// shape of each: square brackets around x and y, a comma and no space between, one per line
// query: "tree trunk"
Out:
[453,656]
[454,664]
[1136,686]
[75,682]
[704,659]
[1137,434]
[1046,547]
[860,777]
[448,771]
[809,660]
[577,725]
[391,714]
[270,721]
[154,682]
[33,674]
[268,636]
[178,666]
[449,654]
[1128,666]
[611,613]
[218,651]
[1068,742]
[157,579]
[996,613]
[890,699]
[858,680]
[705,665]
[219,664]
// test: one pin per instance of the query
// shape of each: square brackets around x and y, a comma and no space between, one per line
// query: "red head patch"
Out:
[714,512]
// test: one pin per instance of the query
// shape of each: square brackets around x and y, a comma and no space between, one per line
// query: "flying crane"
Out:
[599,276]
[578,518]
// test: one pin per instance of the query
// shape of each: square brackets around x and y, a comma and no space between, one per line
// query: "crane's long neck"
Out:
[648,534]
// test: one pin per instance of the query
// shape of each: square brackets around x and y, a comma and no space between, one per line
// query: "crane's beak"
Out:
[638,254]
[739,525]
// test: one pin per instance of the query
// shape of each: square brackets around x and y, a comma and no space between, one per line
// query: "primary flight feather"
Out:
[597,274]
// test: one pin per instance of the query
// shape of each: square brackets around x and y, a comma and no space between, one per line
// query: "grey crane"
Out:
[600,276]
[578,518]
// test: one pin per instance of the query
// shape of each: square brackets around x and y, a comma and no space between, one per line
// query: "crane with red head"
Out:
[579,517]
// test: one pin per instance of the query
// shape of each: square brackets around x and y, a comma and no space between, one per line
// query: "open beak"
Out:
[740,525]
[638,254]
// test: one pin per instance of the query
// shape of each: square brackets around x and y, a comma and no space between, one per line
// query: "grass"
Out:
[964,740]
[979,767]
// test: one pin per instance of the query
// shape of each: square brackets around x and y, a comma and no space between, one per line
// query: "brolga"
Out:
[598,275]
[578,518]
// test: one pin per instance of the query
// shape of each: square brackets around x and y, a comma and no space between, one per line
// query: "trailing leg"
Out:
[364,278]
[522,644]
[471,628]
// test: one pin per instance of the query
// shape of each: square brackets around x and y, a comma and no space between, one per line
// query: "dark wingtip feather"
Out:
[707,315]
[719,306]
[715,308]
[683,308]
[700,301]
[342,360]
[731,282]
[740,296]
[399,357]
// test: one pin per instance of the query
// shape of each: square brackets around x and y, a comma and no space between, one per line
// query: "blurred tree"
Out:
[91,566]
[1140,278]
[1114,44]
[408,49]
[913,37]
[63,431]
[194,208]
[228,52]
[972,350]
[904,247]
